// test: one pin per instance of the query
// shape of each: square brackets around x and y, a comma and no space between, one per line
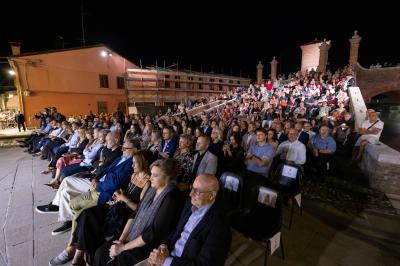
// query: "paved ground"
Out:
[322,236]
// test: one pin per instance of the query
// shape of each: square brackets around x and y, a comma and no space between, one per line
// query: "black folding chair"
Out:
[263,220]
[287,180]
[230,192]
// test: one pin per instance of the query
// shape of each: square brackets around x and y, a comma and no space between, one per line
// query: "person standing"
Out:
[20,120]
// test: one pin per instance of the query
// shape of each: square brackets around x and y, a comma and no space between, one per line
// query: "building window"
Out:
[102,107]
[103,81]
[230,81]
[120,83]
[191,85]
[212,85]
[238,82]
[200,83]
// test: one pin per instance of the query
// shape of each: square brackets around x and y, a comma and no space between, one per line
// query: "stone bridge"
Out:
[378,81]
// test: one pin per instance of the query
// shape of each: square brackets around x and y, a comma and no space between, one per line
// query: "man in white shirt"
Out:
[370,131]
[292,150]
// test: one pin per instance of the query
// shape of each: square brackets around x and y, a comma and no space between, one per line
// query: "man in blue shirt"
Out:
[202,236]
[259,156]
[322,146]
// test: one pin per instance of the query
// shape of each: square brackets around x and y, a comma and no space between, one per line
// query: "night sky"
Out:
[228,38]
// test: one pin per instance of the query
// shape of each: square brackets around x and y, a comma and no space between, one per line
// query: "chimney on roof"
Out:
[15,48]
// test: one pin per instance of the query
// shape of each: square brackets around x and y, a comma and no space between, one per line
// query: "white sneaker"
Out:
[60,259]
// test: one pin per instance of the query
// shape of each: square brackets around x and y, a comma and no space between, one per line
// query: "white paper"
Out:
[298,199]
[267,196]
[289,171]
[275,242]
[232,183]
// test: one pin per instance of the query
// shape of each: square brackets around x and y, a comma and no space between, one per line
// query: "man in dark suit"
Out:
[280,135]
[204,162]
[169,144]
[202,236]
[303,136]
[20,120]
[206,125]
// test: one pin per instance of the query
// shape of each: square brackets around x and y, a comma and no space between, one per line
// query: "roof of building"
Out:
[166,69]
[61,50]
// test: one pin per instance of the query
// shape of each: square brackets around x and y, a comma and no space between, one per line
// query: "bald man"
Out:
[202,236]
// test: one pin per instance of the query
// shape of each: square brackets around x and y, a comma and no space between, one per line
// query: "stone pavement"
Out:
[322,236]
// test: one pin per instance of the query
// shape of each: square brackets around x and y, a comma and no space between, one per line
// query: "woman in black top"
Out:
[155,219]
[96,223]
[233,155]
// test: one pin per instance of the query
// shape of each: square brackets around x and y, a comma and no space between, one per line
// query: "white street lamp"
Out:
[105,53]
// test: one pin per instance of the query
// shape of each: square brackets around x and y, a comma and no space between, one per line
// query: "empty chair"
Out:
[230,192]
[263,220]
[287,180]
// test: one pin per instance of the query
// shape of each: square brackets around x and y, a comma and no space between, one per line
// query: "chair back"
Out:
[288,178]
[264,218]
[230,191]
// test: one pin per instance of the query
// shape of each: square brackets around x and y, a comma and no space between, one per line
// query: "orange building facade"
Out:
[97,79]
[75,81]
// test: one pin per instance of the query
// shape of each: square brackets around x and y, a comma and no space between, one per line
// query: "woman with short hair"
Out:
[155,219]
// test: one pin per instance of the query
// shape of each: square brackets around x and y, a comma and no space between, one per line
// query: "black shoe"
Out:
[49,208]
[62,229]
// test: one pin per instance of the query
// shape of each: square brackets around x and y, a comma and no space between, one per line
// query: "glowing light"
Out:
[105,53]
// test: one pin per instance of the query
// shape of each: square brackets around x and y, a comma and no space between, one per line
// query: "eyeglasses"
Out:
[197,192]
[126,148]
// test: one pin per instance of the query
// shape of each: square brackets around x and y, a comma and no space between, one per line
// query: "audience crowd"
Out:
[130,188]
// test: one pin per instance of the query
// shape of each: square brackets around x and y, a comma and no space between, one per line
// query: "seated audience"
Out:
[155,219]
[202,236]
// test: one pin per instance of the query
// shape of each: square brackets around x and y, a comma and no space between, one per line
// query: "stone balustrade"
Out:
[381,164]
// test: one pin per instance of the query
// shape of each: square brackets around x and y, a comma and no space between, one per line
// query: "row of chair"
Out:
[259,214]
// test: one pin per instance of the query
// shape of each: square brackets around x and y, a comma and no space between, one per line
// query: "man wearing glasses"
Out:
[202,236]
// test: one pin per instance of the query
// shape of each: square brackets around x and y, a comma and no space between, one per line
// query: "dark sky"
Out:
[220,37]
